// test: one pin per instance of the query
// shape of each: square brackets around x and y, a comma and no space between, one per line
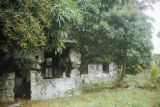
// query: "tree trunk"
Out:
[122,72]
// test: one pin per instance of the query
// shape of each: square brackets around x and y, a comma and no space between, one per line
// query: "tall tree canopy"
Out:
[114,31]
[106,30]
[27,27]
[33,24]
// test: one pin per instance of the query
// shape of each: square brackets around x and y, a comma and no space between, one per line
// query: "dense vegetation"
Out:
[156,59]
[105,31]
[30,25]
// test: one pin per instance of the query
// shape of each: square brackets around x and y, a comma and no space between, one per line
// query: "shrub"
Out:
[154,73]
[146,79]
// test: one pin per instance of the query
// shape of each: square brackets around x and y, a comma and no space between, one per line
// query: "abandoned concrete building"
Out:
[98,73]
[52,76]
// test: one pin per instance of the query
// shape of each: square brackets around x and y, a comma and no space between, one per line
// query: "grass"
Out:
[96,87]
[106,98]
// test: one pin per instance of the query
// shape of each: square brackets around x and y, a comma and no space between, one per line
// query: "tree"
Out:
[132,37]
[32,24]
[106,30]
[92,33]
[156,59]
[114,32]
[27,27]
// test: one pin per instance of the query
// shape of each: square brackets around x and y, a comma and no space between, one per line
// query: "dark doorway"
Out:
[106,68]
[56,64]
[22,88]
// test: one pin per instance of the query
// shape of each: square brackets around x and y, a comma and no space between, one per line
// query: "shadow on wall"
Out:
[22,85]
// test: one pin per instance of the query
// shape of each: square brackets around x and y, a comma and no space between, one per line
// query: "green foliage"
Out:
[106,30]
[131,35]
[92,34]
[156,59]
[145,79]
[65,15]
[138,69]
[70,92]
[138,81]
[114,31]
[155,73]
[95,87]
[31,25]
[23,23]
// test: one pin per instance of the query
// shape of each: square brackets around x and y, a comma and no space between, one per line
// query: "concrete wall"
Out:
[95,68]
[96,74]
[42,89]
[6,87]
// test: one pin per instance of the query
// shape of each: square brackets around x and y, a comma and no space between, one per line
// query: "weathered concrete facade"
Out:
[96,73]
[6,87]
[41,82]
[42,89]
[50,88]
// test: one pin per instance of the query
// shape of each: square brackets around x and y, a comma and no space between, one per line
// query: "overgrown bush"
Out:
[154,73]
[139,81]
[146,79]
